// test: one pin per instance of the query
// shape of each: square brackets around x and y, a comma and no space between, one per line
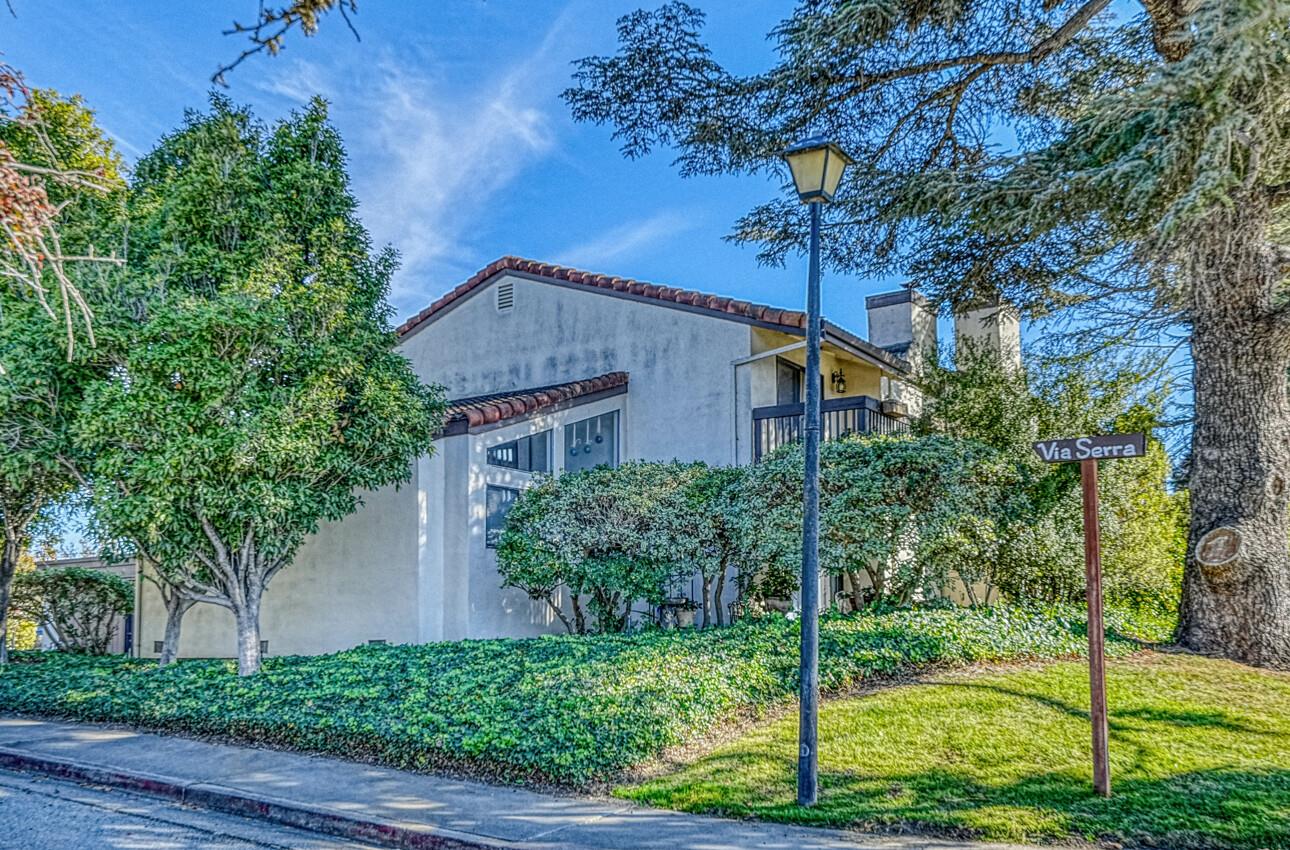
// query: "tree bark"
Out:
[857,592]
[707,602]
[247,618]
[555,608]
[1236,585]
[717,591]
[579,619]
[8,567]
[177,604]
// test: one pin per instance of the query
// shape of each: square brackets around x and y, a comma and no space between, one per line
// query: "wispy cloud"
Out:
[626,240]
[441,159]
[429,157]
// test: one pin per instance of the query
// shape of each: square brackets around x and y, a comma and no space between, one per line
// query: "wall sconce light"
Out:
[839,382]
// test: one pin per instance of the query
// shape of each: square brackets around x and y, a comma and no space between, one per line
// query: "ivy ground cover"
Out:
[568,709]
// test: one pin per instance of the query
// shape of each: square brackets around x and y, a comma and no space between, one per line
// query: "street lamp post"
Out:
[817,167]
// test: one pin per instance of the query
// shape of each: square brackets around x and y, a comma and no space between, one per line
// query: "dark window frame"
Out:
[490,539]
[523,448]
[799,379]
[616,456]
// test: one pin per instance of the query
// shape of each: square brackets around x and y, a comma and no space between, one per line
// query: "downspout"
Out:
[734,380]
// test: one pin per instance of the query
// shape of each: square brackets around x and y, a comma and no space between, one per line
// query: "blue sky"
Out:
[460,147]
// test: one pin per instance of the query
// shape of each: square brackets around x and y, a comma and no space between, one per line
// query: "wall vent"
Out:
[505,296]
[264,647]
[158,645]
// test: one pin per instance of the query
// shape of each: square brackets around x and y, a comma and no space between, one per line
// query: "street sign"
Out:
[1087,451]
[1107,447]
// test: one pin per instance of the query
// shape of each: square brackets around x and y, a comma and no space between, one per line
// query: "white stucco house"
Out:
[553,369]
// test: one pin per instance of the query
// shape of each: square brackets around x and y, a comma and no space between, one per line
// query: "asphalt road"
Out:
[37,813]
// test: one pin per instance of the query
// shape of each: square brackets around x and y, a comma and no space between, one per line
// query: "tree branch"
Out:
[1040,51]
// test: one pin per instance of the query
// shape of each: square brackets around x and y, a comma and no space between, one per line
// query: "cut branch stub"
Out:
[1219,547]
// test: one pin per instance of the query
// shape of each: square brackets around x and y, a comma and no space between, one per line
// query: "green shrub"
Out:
[904,513]
[77,606]
[568,709]
[607,536]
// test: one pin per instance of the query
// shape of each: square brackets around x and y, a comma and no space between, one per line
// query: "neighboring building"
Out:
[123,626]
[556,369]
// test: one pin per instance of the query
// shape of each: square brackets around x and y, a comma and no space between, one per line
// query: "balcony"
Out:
[782,424]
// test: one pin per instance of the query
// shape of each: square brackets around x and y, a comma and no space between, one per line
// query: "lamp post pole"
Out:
[808,721]
[817,165]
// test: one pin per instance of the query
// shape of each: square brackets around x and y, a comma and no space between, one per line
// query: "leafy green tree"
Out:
[601,534]
[42,379]
[898,515]
[1127,161]
[260,392]
[77,606]
[1041,555]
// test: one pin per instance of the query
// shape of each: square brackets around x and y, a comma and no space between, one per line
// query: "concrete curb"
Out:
[277,810]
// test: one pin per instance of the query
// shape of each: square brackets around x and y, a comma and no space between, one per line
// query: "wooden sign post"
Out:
[1087,451]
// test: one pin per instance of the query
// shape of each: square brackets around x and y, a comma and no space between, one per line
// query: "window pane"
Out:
[528,454]
[500,500]
[507,455]
[591,442]
[788,382]
[540,452]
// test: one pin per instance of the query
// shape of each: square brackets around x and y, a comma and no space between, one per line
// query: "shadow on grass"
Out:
[1189,718]
[1202,810]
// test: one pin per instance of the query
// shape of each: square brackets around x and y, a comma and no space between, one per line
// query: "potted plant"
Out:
[685,614]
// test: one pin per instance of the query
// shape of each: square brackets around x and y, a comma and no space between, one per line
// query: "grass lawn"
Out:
[1200,758]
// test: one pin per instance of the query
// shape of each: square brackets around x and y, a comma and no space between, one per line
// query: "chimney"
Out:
[992,326]
[903,323]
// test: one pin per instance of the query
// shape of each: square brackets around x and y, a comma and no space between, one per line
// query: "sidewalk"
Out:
[381,805]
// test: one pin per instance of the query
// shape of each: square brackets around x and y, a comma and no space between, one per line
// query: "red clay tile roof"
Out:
[792,321]
[467,413]
[715,303]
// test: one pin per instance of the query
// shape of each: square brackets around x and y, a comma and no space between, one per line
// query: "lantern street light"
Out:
[817,167]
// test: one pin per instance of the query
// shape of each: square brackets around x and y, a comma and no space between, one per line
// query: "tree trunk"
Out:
[8,567]
[857,592]
[716,596]
[579,619]
[176,606]
[1236,585]
[707,602]
[247,617]
[555,608]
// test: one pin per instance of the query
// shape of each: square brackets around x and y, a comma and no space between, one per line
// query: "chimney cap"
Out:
[900,296]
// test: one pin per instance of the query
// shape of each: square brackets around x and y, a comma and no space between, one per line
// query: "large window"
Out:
[527,454]
[500,500]
[591,442]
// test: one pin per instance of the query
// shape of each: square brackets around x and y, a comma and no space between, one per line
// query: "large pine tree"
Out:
[1126,160]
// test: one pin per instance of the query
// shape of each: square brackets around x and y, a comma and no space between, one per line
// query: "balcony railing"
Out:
[782,423]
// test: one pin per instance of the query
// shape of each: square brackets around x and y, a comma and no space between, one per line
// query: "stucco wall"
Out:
[352,582]
[681,381]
